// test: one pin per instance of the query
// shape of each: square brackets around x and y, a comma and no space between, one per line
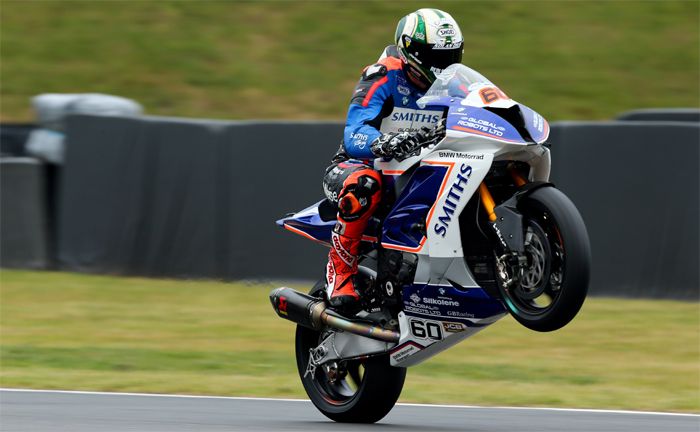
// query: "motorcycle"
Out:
[471,231]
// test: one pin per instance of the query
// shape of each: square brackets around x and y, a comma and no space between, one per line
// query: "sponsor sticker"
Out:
[389,287]
[440,301]
[481,125]
[409,120]
[447,45]
[452,327]
[447,32]
[330,194]
[283,305]
[330,273]
[459,155]
[538,122]
[359,140]
[458,314]
[454,195]
[404,352]
[342,253]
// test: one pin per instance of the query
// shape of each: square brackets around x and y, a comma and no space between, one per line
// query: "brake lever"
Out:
[433,136]
[431,142]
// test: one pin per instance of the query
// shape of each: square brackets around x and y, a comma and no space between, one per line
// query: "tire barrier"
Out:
[23,224]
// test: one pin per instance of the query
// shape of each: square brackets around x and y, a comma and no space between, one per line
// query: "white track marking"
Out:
[584,410]
[101,393]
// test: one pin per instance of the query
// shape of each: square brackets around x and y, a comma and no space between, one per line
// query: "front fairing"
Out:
[512,123]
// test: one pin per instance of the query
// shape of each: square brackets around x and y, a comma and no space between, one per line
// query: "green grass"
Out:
[284,59]
[70,331]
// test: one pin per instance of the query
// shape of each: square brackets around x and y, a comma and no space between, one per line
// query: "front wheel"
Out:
[355,391]
[548,291]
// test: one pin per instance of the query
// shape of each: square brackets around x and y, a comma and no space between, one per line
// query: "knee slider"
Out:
[350,206]
[367,186]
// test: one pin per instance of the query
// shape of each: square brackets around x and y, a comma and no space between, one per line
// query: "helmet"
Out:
[428,41]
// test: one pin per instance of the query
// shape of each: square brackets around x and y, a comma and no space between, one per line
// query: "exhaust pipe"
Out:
[297,307]
[311,312]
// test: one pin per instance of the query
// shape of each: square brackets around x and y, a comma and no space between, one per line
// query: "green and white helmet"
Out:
[428,40]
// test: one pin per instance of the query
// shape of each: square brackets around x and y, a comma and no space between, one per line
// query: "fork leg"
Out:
[487,200]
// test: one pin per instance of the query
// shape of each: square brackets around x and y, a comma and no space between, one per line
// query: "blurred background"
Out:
[300,60]
[228,113]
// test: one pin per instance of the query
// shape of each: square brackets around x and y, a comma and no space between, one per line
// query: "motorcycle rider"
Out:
[383,121]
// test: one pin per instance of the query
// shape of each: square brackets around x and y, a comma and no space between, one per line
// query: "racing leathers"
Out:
[383,121]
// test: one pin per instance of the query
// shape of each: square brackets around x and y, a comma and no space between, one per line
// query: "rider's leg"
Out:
[357,201]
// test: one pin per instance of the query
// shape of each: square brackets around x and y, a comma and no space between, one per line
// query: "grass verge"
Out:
[300,60]
[84,332]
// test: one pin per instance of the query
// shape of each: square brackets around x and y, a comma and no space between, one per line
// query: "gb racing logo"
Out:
[453,197]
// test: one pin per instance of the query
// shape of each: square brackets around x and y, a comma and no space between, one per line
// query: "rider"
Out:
[383,121]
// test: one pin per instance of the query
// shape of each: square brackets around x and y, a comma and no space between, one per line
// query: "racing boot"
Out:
[357,202]
[340,273]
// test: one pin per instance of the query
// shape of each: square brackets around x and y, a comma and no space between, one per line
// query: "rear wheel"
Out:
[549,290]
[355,391]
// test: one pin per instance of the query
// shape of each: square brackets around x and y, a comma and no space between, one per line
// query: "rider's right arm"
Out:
[371,102]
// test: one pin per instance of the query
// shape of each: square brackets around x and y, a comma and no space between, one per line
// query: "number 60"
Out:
[423,330]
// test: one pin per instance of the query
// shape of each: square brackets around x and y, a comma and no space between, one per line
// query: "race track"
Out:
[55,411]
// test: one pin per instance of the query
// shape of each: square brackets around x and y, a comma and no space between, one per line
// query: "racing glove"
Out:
[397,145]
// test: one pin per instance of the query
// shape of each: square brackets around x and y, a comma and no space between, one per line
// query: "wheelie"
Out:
[441,226]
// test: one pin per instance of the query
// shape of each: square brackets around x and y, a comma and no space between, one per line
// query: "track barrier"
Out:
[172,197]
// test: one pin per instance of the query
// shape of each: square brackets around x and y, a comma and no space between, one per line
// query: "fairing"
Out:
[403,227]
[309,224]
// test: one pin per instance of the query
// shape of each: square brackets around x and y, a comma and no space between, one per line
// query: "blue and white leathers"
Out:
[384,101]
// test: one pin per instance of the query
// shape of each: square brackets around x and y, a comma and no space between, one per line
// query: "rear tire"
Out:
[552,290]
[365,395]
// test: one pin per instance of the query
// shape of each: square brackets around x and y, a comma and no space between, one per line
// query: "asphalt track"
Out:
[56,411]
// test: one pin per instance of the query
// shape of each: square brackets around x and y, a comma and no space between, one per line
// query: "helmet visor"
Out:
[434,55]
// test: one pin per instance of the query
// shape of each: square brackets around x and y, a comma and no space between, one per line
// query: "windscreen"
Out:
[453,82]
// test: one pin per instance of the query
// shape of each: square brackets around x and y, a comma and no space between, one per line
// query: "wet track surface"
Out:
[39,411]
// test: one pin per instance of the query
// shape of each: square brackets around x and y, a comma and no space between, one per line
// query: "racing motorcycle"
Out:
[471,231]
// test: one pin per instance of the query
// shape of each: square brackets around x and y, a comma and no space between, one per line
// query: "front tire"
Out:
[365,390]
[551,290]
